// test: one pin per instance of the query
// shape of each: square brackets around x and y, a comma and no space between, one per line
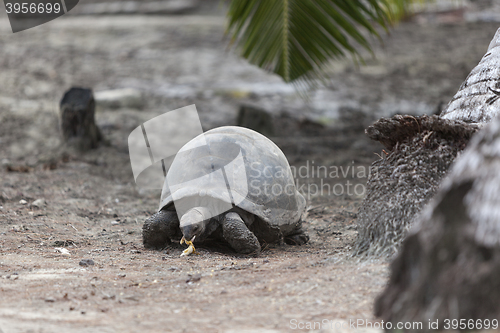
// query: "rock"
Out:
[39,203]
[256,119]
[86,262]
[193,278]
[23,202]
[18,168]
[77,119]
[279,125]
[62,251]
[120,98]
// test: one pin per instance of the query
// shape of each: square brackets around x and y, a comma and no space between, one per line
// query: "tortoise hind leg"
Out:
[298,236]
[236,233]
[159,229]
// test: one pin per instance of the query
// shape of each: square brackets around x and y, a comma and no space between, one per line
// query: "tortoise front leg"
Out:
[298,236]
[159,229]
[236,233]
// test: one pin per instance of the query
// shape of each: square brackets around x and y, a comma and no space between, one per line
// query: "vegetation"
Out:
[296,39]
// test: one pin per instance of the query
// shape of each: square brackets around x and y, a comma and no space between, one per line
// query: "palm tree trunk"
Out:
[477,100]
[449,265]
[418,154]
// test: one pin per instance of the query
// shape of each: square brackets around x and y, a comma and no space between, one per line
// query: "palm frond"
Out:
[297,38]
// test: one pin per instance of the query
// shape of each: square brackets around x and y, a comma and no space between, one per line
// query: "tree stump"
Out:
[77,119]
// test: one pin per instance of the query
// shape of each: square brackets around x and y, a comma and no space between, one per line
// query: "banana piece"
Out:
[190,249]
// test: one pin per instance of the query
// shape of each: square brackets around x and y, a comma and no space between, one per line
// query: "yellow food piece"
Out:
[187,251]
[190,249]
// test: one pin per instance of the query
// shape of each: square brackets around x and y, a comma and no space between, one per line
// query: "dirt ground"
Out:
[92,209]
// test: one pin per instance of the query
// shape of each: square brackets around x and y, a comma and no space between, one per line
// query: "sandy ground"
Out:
[94,211]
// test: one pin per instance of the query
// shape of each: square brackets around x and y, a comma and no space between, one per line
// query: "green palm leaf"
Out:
[297,38]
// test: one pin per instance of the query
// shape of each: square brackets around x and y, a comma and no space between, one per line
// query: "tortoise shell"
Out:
[229,167]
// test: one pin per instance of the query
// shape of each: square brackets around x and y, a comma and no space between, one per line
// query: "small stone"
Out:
[23,202]
[122,275]
[62,250]
[193,278]
[39,203]
[50,300]
[86,262]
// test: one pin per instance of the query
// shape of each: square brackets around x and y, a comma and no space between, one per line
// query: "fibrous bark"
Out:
[419,152]
[449,265]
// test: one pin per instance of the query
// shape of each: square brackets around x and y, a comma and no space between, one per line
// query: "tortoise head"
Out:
[194,222]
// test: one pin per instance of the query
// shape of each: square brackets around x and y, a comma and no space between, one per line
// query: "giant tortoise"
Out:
[231,184]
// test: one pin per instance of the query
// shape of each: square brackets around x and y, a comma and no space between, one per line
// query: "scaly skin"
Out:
[236,233]
[159,229]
